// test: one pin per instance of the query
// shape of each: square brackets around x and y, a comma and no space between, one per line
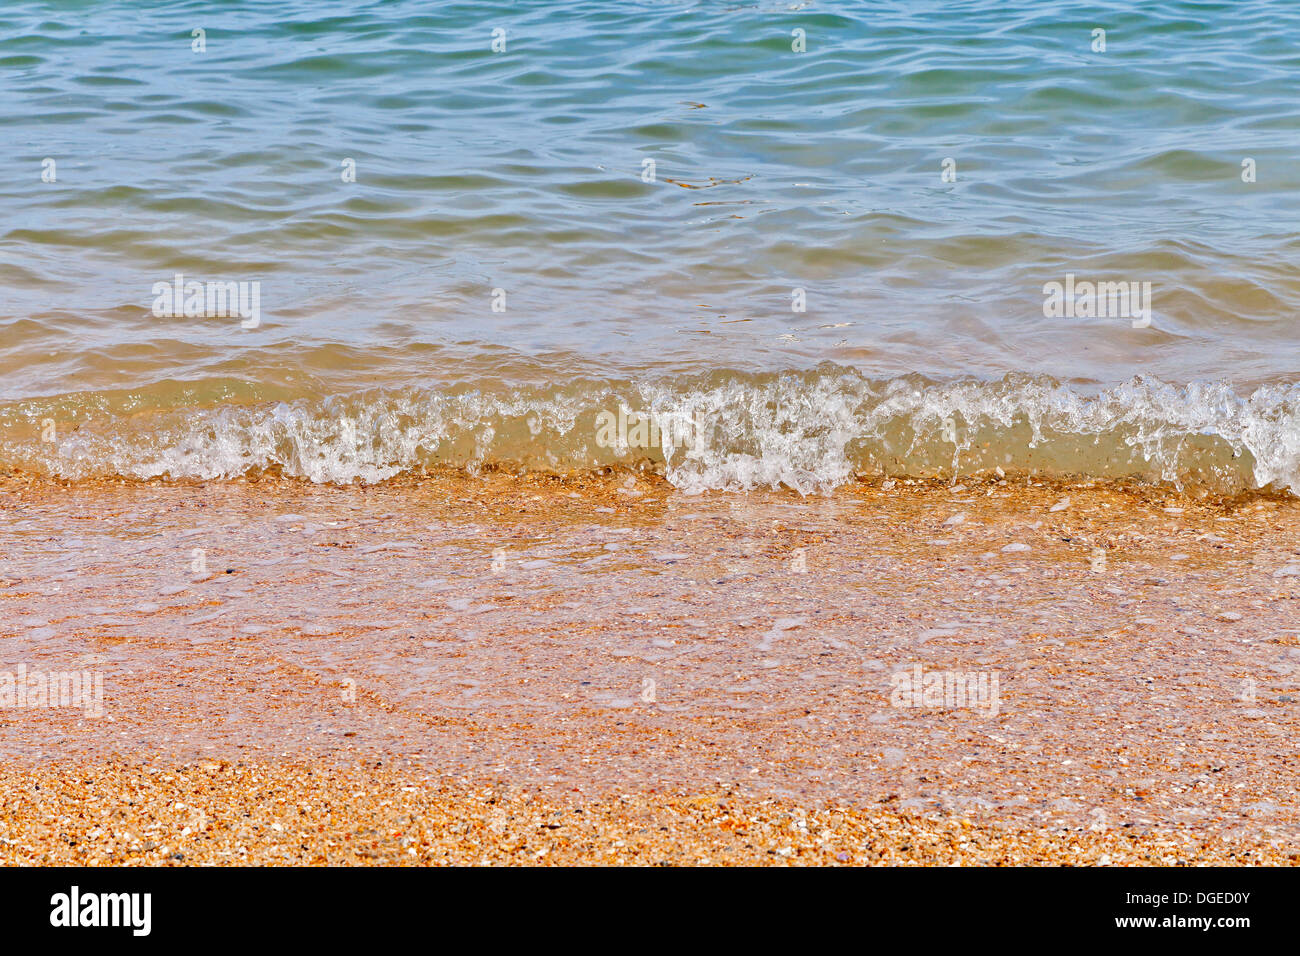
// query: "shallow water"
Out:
[612,636]
[924,345]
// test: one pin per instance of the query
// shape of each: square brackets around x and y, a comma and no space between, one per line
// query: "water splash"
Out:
[811,431]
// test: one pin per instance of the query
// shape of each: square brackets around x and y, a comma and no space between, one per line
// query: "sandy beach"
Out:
[437,669]
[276,814]
[667,434]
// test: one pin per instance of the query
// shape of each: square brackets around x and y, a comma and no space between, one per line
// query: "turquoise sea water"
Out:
[823,229]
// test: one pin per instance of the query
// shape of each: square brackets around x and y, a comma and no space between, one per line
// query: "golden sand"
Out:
[704,678]
[267,814]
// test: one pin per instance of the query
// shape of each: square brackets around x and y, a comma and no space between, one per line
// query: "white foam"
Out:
[809,431]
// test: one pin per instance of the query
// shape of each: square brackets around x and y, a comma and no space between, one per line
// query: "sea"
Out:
[738,244]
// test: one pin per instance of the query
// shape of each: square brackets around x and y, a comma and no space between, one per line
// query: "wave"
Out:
[811,431]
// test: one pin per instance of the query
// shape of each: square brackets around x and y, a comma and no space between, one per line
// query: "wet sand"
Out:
[617,647]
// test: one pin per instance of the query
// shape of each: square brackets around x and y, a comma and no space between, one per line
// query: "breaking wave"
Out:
[811,431]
